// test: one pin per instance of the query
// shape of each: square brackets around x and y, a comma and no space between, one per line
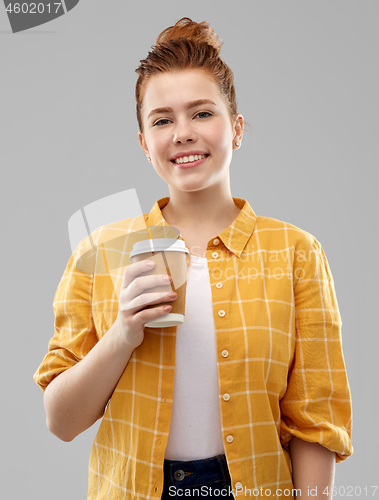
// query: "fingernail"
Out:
[150,263]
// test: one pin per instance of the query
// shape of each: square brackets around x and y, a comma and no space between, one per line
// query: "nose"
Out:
[184,132]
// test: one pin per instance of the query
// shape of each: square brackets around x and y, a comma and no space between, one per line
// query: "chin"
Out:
[192,188]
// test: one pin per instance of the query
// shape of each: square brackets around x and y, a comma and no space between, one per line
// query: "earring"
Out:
[237,143]
[149,158]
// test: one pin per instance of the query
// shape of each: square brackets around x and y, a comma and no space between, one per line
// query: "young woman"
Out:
[250,395]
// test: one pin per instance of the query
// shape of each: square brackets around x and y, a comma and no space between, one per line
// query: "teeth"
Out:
[189,159]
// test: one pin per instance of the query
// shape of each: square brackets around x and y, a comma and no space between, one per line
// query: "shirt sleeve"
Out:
[75,334]
[317,404]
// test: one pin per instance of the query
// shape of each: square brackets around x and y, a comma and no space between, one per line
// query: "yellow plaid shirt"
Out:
[279,352]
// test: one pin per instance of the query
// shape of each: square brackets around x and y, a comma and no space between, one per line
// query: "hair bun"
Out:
[196,32]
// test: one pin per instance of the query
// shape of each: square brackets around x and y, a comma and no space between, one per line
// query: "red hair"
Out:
[185,45]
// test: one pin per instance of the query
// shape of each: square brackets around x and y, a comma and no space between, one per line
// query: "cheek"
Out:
[220,135]
[157,144]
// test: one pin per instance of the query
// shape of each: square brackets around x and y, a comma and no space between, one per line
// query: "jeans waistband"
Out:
[205,472]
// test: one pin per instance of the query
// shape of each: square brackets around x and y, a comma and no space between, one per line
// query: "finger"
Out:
[134,270]
[145,299]
[147,315]
[151,282]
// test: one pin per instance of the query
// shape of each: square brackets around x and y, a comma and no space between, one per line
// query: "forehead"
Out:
[173,89]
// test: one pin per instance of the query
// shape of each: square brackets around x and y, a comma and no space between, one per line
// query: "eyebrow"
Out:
[188,105]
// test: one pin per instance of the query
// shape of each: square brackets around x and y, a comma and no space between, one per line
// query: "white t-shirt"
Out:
[195,430]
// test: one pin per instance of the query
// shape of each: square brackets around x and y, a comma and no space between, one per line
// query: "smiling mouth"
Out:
[189,159]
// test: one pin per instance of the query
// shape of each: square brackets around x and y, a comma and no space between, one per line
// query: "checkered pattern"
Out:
[279,350]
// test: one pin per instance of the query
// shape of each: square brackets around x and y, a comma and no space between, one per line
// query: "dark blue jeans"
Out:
[197,479]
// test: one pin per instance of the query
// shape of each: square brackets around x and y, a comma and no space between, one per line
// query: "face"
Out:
[175,126]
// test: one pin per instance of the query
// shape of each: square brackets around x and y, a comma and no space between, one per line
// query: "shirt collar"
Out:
[234,237]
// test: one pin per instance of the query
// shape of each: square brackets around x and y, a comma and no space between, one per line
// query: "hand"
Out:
[132,316]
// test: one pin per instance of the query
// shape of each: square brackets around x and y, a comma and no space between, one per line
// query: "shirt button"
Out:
[215,255]
[238,485]
[216,241]
[221,313]
[229,439]
[218,285]
[226,397]
[225,354]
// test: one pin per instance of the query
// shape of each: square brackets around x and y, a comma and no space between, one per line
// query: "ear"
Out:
[238,130]
[142,143]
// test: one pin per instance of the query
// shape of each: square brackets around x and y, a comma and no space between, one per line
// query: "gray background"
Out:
[306,77]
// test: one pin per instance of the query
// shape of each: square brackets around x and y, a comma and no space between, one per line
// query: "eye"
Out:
[159,121]
[204,113]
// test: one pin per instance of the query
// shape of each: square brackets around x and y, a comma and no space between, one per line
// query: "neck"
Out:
[200,209]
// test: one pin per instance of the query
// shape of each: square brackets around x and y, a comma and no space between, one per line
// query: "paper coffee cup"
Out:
[170,257]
